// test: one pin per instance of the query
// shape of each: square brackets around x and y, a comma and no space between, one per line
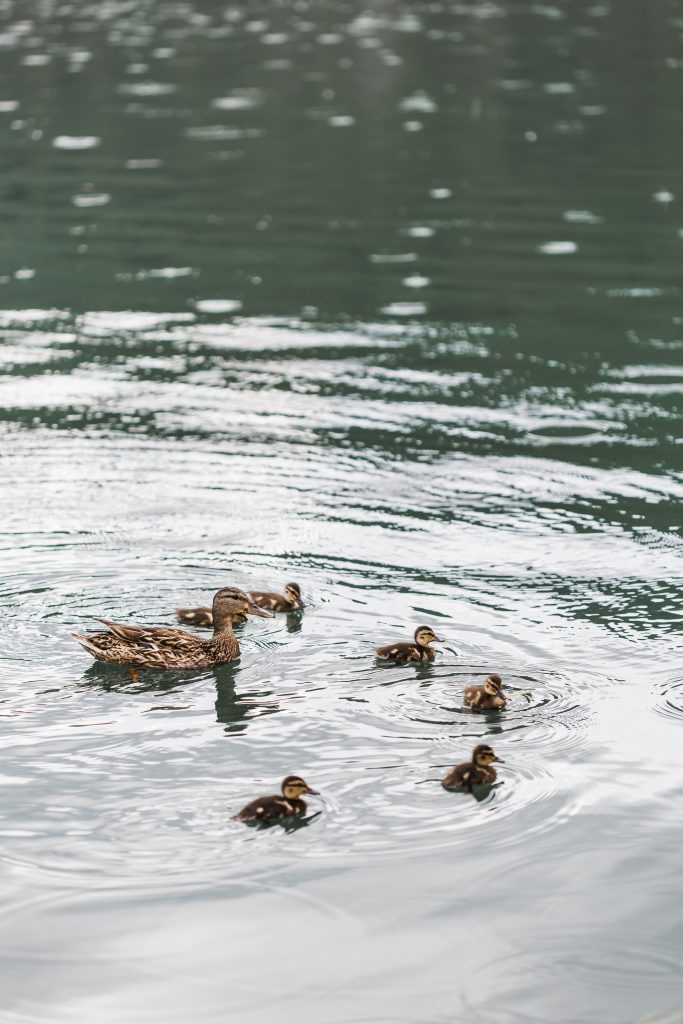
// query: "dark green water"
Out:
[385,299]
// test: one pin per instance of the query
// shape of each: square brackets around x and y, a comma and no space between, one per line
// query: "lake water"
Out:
[384,298]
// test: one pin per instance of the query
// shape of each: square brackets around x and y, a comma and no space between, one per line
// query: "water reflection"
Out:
[236,711]
[387,301]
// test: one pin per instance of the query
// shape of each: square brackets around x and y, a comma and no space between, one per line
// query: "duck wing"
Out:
[458,777]
[269,808]
[153,637]
[472,695]
[398,652]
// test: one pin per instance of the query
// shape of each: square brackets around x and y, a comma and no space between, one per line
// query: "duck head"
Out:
[293,787]
[232,604]
[425,635]
[292,594]
[483,756]
[493,685]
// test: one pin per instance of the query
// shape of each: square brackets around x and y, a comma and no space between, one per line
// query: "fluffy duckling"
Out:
[420,650]
[162,647]
[288,601]
[477,772]
[488,697]
[274,808]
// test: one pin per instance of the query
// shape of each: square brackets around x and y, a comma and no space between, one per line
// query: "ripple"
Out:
[670,699]
[419,102]
[416,281]
[76,142]
[420,231]
[396,257]
[91,199]
[147,88]
[502,461]
[341,121]
[405,309]
[243,99]
[572,965]
[217,306]
[558,248]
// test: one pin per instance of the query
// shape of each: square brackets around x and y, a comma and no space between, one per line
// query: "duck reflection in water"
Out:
[235,711]
[112,679]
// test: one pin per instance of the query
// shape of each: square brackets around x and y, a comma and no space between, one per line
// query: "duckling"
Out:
[161,647]
[417,651]
[476,772]
[288,601]
[488,697]
[274,808]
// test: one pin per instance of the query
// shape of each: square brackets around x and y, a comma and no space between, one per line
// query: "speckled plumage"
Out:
[418,650]
[288,804]
[168,648]
[488,696]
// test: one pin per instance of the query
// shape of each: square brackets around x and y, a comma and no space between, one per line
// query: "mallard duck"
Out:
[288,601]
[417,651]
[488,697]
[161,647]
[273,808]
[476,772]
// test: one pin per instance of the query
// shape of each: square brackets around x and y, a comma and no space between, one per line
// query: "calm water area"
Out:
[383,297]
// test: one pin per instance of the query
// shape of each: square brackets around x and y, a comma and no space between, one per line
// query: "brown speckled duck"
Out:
[477,772]
[419,650]
[487,697]
[162,647]
[274,808]
[288,601]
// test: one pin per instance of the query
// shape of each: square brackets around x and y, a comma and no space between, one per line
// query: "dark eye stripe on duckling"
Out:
[278,805]
[419,650]
[478,771]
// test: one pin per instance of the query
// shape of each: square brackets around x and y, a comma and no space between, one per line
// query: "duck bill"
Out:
[439,640]
[313,792]
[499,760]
[254,609]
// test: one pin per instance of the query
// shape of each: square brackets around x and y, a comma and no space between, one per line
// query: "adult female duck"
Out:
[162,647]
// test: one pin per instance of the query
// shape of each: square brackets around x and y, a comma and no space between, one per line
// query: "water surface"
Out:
[386,300]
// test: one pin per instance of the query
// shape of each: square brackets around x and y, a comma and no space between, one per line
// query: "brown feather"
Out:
[169,648]
[477,697]
[271,808]
[404,652]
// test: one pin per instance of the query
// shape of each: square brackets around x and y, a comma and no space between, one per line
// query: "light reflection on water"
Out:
[385,302]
